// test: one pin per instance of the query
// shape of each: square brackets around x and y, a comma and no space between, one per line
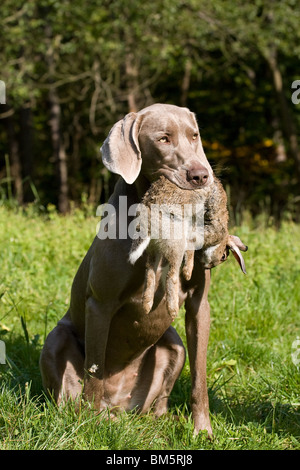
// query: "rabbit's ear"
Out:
[120,151]
[235,245]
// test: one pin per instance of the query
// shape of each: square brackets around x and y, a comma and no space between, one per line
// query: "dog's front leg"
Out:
[96,334]
[197,332]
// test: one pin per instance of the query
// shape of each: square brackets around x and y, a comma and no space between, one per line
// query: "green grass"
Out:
[253,382]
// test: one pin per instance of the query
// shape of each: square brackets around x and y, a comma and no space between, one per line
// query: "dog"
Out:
[105,348]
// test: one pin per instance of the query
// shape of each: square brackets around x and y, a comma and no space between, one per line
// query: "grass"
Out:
[253,382]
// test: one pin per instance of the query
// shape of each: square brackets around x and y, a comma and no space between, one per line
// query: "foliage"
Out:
[253,382]
[106,58]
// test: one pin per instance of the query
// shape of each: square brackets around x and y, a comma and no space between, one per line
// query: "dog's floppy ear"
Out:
[120,151]
[235,245]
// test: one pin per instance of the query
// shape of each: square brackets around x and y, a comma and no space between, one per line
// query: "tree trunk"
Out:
[15,162]
[131,82]
[59,151]
[26,150]
[185,86]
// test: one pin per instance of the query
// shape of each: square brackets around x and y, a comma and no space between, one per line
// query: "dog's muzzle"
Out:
[197,175]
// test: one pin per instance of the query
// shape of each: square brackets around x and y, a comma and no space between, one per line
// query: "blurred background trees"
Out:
[72,69]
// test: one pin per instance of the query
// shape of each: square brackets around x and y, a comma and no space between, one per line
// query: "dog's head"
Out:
[158,140]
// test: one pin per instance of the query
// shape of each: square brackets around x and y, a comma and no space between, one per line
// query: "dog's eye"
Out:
[164,139]
[195,136]
[224,257]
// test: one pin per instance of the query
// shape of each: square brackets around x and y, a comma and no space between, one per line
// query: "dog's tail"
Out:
[138,247]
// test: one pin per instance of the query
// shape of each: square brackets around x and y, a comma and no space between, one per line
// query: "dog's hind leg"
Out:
[62,363]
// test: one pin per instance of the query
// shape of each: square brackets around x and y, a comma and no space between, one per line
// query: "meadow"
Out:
[253,357]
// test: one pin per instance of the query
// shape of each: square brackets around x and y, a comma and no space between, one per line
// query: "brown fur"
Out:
[174,252]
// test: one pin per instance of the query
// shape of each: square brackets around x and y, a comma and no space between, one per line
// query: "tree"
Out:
[72,70]
[267,30]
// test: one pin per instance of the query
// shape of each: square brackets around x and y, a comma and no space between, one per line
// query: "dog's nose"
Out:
[197,175]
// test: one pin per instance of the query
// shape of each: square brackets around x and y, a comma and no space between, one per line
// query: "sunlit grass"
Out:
[253,383]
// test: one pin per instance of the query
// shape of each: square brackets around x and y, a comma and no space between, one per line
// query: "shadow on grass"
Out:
[273,416]
[22,363]
[22,367]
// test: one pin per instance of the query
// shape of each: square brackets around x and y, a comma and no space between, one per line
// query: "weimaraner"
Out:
[105,346]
